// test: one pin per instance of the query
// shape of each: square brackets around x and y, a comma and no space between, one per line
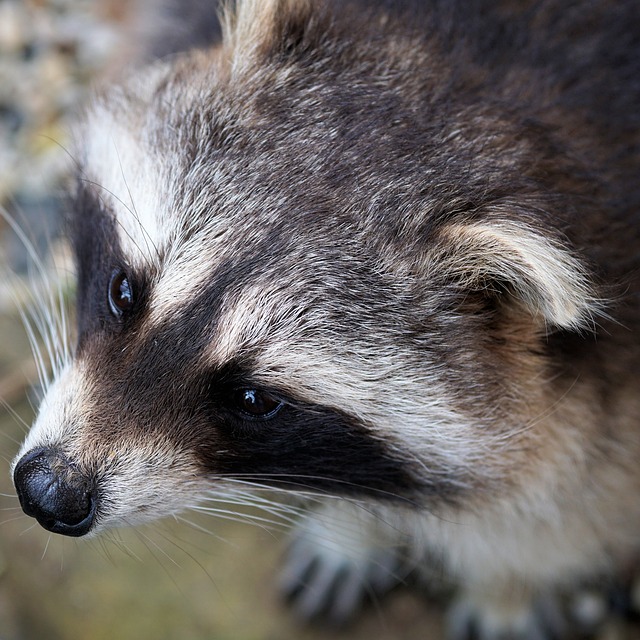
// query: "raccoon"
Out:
[380,255]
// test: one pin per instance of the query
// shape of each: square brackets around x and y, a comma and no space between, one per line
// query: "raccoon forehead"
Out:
[134,159]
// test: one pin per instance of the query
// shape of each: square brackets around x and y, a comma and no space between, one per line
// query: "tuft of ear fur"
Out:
[551,282]
[253,26]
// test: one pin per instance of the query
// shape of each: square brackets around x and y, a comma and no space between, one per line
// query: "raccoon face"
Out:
[289,275]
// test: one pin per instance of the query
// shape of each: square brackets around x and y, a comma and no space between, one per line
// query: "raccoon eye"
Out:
[257,404]
[120,293]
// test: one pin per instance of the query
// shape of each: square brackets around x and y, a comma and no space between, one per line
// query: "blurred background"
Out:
[212,580]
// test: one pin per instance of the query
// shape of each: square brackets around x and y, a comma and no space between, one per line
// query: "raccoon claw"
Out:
[323,591]
[324,582]
[591,608]
[468,621]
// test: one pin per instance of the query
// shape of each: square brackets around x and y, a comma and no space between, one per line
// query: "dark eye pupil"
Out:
[120,293]
[257,403]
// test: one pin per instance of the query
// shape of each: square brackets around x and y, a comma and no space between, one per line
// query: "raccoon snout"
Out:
[56,494]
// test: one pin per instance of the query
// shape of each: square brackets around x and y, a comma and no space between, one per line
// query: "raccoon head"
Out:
[303,261]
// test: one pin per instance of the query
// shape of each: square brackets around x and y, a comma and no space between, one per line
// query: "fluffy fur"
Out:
[414,225]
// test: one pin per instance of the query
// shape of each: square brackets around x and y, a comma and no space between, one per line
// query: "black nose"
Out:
[56,494]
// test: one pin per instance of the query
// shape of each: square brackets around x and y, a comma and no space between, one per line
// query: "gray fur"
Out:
[414,225]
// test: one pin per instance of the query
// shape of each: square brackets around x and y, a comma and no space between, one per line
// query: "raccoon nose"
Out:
[53,492]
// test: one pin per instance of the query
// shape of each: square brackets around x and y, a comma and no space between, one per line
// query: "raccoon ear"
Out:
[552,283]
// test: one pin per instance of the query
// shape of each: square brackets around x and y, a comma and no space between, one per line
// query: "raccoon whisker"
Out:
[296,481]
[296,512]
[34,343]
[171,539]
[32,401]
[8,521]
[18,516]
[46,548]
[247,497]
[143,536]
[46,318]
[55,358]
[51,326]
[43,376]
[17,418]
[64,149]
[225,514]
[51,312]
[13,440]
[201,529]
[45,342]
[288,514]
[278,520]
[38,333]
[283,516]
[147,541]
[115,538]
[30,528]
[100,545]
[159,553]
[54,315]
[248,491]
[145,256]
[26,242]
[64,329]
[280,510]
[135,243]
[62,558]
[253,486]
[548,411]
[145,234]
[271,506]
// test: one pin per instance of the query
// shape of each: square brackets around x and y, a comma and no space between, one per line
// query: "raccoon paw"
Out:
[327,576]
[473,618]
